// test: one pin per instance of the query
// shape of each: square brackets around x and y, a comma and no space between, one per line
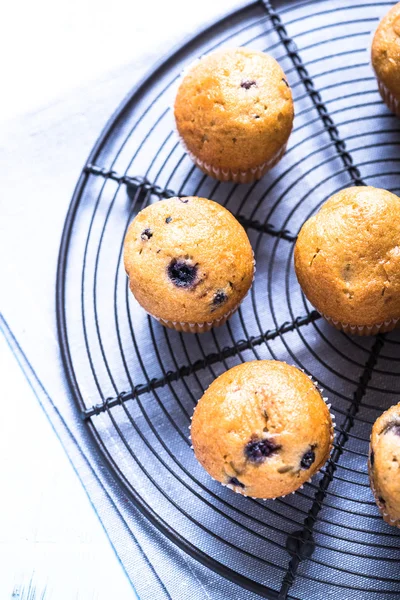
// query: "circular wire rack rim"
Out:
[137,500]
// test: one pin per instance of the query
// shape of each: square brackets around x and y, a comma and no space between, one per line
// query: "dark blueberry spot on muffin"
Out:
[372,458]
[248,83]
[258,450]
[219,298]
[308,459]
[235,481]
[382,500]
[285,82]
[146,234]
[181,273]
[184,200]
[393,428]
[168,219]
[256,116]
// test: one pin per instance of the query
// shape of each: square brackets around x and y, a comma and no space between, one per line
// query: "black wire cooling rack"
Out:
[136,383]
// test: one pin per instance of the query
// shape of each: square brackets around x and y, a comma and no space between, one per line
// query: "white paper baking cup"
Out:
[389,99]
[237,176]
[196,327]
[382,327]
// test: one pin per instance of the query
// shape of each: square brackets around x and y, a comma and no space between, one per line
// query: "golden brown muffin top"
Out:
[386,50]
[385,461]
[262,428]
[188,260]
[234,109]
[347,257]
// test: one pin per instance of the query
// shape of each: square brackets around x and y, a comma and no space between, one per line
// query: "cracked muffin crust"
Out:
[385,57]
[347,260]
[262,428]
[384,464]
[234,114]
[189,262]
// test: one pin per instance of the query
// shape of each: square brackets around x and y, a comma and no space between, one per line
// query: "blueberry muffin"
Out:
[262,429]
[347,260]
[384,464]
[234,114]
[189,263]
[385,56]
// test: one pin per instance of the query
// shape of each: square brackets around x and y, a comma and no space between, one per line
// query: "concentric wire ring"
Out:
[136,383]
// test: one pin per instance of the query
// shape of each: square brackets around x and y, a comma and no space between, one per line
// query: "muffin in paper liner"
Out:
[384,464]
[245,436]
[384,327]
[223,160]
[347,260]
[385,58]
[190,263]
[237,176]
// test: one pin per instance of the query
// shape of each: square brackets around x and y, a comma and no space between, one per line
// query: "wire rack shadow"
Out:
[136,384]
